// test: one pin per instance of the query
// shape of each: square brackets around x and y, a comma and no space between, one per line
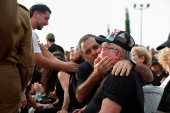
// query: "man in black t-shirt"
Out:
[89,77]
[52,47]
[117,94]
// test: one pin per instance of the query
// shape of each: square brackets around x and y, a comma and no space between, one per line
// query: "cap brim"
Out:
[154,62]
[165,44]
[101,40]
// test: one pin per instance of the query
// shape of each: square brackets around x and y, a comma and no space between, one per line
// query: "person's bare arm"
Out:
[53,95]
[100,69]
[46,53]
[54,65]
[64,80]
[125,66]
[31,100]
[109,106]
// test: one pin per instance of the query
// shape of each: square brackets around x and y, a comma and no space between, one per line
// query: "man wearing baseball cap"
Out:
[116,93]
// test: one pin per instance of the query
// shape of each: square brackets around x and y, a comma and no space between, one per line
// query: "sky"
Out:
[72,19]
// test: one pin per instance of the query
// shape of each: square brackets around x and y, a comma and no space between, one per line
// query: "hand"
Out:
[43,47]
[38,87]
[122,66]
[101,66]
[48,106]
[23,102]
[62,111]
[78,111]
[71,67]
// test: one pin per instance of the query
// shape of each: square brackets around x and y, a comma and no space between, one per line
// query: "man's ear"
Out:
[35,14]
[118,54]
[142,59]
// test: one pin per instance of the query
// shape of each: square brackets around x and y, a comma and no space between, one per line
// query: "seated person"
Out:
[164,60]
[142,56]
[117,93]
[159,70]
[46,78]
[51,82]
[67,85]
[89,78]
[72,78]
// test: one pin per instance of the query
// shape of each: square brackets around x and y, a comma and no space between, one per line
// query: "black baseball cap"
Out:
[165,44]
[154,60]
[120,38]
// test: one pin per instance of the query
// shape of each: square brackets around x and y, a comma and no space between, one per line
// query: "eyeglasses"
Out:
[103,48]
[94,48]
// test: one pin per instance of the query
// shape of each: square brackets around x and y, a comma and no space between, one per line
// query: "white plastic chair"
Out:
[152,97]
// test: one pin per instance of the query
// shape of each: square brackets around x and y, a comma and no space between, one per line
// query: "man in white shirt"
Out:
[39,16]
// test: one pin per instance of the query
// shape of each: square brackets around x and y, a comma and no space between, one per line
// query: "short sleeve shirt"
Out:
[35,42]
[125,90]
[83,72]
[55,47]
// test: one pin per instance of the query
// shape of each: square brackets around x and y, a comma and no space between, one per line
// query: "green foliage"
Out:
[127,21]
[108,30]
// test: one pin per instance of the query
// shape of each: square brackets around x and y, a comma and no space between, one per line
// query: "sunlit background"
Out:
[72,19]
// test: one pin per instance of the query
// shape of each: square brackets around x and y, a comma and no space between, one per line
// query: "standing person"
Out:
[39,16]
[10,22]
[89,78]
[117,94]
[16,70]
[52,47]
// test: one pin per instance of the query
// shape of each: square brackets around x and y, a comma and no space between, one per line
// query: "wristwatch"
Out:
[133,63]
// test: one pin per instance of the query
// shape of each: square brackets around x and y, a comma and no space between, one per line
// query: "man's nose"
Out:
[46,22]
[99,50]
[94,52]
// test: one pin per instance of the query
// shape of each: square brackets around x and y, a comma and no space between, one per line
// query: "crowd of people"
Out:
[100,74]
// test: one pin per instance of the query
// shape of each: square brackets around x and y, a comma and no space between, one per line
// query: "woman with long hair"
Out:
[65,87]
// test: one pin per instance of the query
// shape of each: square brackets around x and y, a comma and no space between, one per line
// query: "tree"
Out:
[108,30]
[127,21]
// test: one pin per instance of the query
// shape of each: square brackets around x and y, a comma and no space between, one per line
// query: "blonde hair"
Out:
[164,56]
[142,51]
